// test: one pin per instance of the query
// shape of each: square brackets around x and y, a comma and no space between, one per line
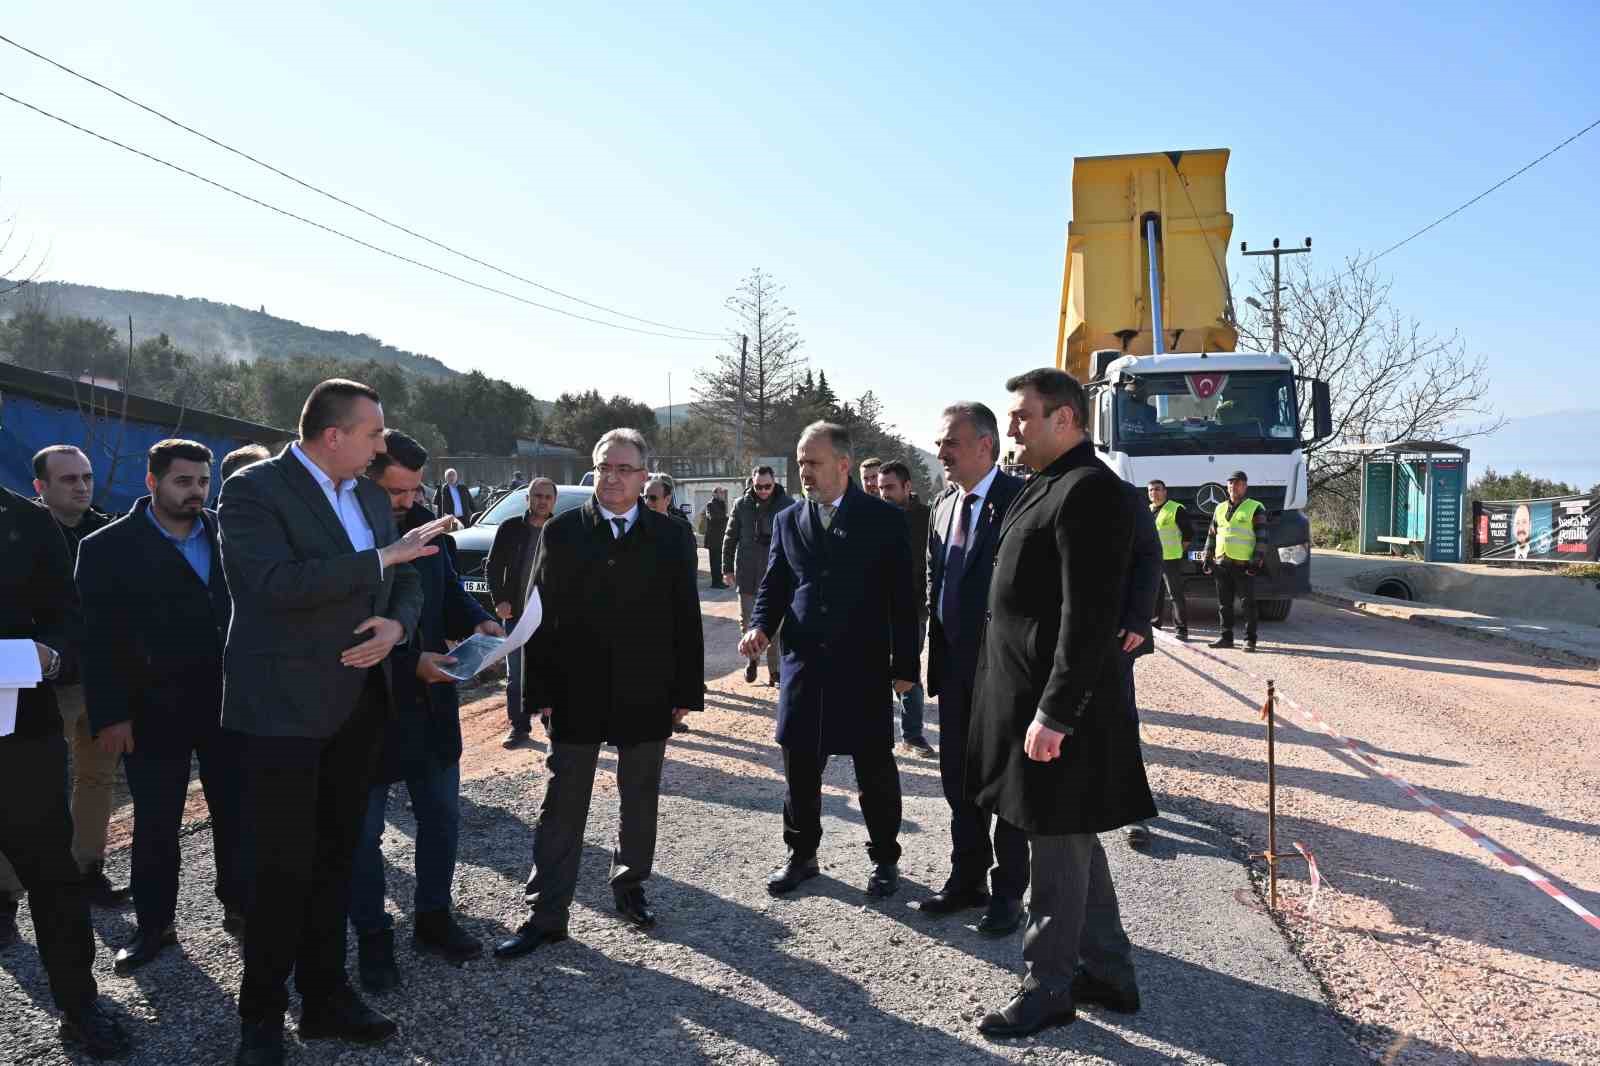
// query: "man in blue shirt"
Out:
[156,610]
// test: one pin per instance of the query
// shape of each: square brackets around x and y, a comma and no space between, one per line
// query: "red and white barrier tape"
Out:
[1507,858]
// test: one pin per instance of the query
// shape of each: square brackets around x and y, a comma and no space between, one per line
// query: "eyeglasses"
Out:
[654,497]
[607,470]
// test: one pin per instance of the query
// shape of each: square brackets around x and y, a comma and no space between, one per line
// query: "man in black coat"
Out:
[1145,571]
[746,547]
[961,543]
[509,571]
[421,747]
[716,519]
[1054,749]
[155,616]
[839,584]
[322,593]
[618,659]
[38,603]
[451,497]
[894,486]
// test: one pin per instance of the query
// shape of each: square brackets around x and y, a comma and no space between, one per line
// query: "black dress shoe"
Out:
[1250,644]
[950,899]
[1224,641]
[260,1043]
[101,892]
[790,875]
[438,933]
[143,948]
[1138,836]
[634,908]
[375,963]
[1003,917]
[233,921]
[1182,633]
[1029,1011]
[884,881]
[97,1033]
[345,1016]
[1089,989]
[750,672]
[529,937]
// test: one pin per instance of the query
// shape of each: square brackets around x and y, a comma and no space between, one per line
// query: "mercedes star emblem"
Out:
[1208,496]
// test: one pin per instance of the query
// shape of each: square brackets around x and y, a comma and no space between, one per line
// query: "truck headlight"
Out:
[1295,555]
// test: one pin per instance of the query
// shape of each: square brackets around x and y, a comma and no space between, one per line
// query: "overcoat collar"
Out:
[1038,487]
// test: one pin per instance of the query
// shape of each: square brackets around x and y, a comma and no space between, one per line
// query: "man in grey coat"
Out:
[745,549]
[322,592]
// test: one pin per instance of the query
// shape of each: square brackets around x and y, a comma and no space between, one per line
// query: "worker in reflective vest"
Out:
[1173,531]
[1234,553]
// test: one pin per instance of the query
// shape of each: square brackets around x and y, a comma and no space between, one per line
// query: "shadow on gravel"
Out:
[1252,731]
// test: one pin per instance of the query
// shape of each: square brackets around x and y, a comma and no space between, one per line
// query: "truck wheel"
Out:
[1273,610]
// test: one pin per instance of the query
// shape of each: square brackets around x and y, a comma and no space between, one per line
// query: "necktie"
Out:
[826,511]
[955,568]
[622,526]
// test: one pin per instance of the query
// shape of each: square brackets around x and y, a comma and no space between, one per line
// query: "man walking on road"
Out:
[1174,534]
[510,571]
[745,549]
[894,486]
[1054,749]
[1235,547]
[839,584]
[618,659]
[716,519]
[961,543]
[322,593]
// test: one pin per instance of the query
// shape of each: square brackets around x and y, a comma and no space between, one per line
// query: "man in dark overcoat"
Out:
[619,658]
[839,585]
[716,519]
[1053,747]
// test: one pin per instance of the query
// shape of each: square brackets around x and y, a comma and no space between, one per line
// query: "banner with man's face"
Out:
[1565,529]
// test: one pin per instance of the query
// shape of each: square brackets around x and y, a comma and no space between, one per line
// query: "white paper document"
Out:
[19,664]
[8,711]
[479,652]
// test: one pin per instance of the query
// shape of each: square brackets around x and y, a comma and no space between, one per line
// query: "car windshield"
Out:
[515,504]
[1209,410]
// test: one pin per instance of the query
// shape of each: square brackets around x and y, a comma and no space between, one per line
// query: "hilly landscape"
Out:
[209,328]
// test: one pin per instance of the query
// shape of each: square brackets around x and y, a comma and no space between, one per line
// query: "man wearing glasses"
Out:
[748,541]
[618,659]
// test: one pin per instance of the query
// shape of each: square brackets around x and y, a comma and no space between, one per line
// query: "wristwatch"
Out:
[52,669]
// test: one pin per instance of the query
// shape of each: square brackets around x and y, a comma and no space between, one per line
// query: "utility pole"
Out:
[1277,285]
[738,418]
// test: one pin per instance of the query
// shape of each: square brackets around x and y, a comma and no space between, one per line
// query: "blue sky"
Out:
[904,170]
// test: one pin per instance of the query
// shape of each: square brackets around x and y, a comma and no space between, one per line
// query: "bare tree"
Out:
[772,370]
[16,270]
[1389,377]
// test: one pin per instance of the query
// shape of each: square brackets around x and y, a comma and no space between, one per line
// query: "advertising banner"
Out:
[1563,529]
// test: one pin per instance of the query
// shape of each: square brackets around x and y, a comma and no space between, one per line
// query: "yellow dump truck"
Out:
[1147,324]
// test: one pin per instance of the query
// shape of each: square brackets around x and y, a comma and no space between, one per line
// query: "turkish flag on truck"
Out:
[1205,386]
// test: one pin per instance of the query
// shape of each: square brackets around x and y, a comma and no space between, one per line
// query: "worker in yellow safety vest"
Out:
[1235,549]
[1174,533]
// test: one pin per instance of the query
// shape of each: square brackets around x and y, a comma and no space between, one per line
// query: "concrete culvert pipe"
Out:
[1394,589]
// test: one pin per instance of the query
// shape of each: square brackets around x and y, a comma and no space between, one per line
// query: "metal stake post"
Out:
[1272,803]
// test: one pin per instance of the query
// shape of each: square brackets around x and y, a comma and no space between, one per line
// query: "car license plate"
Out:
[476,586]
[1197,556]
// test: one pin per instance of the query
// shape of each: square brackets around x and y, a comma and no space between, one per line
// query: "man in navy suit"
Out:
[961,540]
[422,744]
[839,583]
[156,609]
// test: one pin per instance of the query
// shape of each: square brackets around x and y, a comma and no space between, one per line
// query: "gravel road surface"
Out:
[730,975]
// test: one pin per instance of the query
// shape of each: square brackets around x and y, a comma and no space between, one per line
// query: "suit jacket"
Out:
[1144,571]
[1050,649]
[153,634]
[958,660]
[299,592]
[716,516]
[38,601]
[918,518]
[504,568]
[441,502]
[621,643]
[845,600]
[427,722]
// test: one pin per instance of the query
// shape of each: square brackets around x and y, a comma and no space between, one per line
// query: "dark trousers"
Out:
[36,835]
[971,853]
[1172,583]
[714,549]
[1234,583]
[520,717]
[435,791]
[877,784]
[304,800]
[159,783]
[1073,915]
[558,838]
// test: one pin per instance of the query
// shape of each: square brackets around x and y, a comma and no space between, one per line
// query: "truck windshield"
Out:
[1251,411]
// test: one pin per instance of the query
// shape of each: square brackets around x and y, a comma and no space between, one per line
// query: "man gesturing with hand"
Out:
[322,593]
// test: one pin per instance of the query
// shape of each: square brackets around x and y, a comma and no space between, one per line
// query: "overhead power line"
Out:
[346,203]
[340,233]
[1452,214]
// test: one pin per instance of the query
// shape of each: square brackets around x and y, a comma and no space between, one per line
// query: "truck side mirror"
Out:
[1321,409]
